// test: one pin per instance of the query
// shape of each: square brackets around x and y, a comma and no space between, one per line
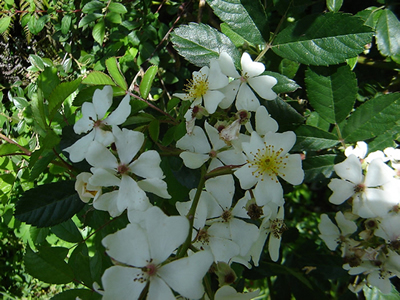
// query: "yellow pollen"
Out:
[197,87]
[268,161]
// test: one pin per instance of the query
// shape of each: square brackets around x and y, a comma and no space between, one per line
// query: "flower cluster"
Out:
[225,221]
[371,187]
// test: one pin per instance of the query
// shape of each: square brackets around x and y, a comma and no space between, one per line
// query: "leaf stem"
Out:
[341,140]
[26,151]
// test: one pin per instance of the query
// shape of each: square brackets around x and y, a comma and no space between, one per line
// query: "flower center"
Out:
[123,169]
[150,269]
[359,188]
[93,193]
[268,161]
[226,215]
[278,227]
[254,211]
[198,86]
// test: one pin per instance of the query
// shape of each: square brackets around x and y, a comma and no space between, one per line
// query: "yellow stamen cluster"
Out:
[268,161]
[197,87]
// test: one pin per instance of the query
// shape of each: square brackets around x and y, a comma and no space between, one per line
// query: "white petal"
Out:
[118,283]
[102,177]
[230,92]
[77,151]
[381,282]
[108,202]
[263,86]
[195,142]
[329,232]
[213,135]
[350,169]
[165,234]
[282,141]
[216,79]
[244,234]
[249,67]
[246,178]
[156,186]
[128,143]
[378,173]
[194,160]
[268,190]
[159,290]
[292,172]
[227,292]
[120,114]
[185,275]
[131,196]
[264,122]
[342,190]
[102,100]
[222,189]
[227,66]
[129,246]
[89,116]
[232,157]
[347,227]
[212,99]
[147,165]
[100,157]
[246,99]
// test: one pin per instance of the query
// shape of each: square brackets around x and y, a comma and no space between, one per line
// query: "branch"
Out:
[23,149]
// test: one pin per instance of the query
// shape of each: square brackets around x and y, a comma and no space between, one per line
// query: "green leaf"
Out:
[139,119]
[39,161]
[67,231]
[313,139]
[48,265]
[115,72]
[114,18]
[323,39]
[284,85]
[4,23]
[199,43]
[92,6]
[66,24]
[60,93]
[147,81]
[79,261]
[373,293]
[77,294]
[117,8]
[286,116]
[99,31]
[35,25]
[334,5]
[98,78]
[49,204]
[7,148]
[388,33]
[36,61]
[89,19]
[319,167]
[234,14]
[48,80]
[372,118]
[154,129]
[38,110]
[385,140]
[236,39]
[331,91]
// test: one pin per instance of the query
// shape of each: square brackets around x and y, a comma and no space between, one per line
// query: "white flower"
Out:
[240,89]
[227,292]
[110,171]
[373,194]
[360,150]
[198,149]
[85,190]
[331,234]
[142,252]
[93,120]
[388,229]
[264,122]
[268,158]
[394,156]
[204,87]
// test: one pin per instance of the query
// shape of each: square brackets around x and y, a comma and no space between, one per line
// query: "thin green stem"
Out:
[341,140]
[190,215]
[224,170]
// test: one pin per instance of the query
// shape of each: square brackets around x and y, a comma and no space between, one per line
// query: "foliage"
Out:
[336,65]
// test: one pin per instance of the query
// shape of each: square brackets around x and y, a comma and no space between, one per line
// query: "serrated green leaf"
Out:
[60,93]
[284,85]
[4,23]
[115,72]
[234,14]
[92,6]
[388,33]
[98,78]
[334,5]
[147,81]
[66,24]
[49,204]
[38,111]
[313,139]
[372,118]
[199,43]
[89,19]
[7,148]
[117,8]
[331,91]
[236,39]
[67,231]
[48,265]
[139,119]
[35,25]
[48,80]
[99,31]
[114,18]
[39,161]
[154,129]
[286,116]
[323,39]
[36,61]
[385,140]
[79,261]
[370,16]
[319,167]
[288,67]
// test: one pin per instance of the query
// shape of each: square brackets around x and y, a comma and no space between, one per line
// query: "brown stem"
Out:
[26,151]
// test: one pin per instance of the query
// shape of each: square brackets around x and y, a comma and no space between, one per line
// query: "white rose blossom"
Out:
[142,252]
[268,159]
[93,121]
[250,76]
